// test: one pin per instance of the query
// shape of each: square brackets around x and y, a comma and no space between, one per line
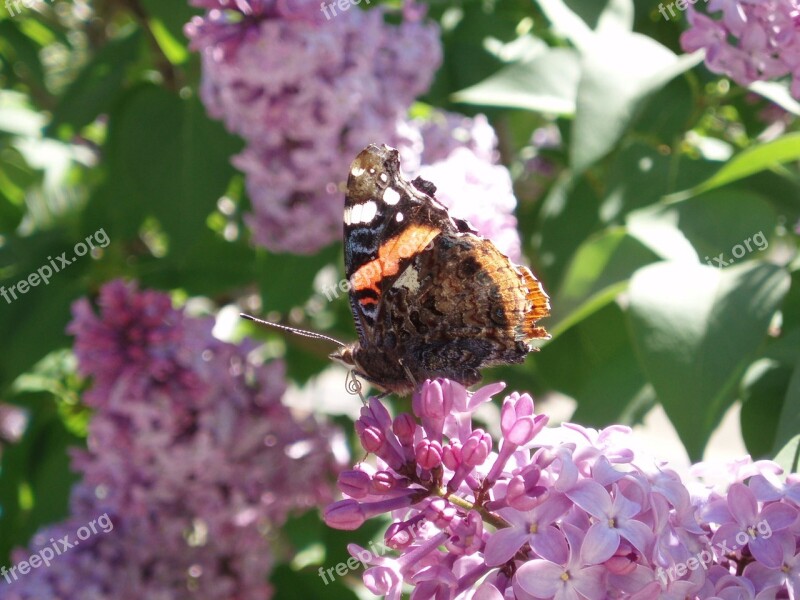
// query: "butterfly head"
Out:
[346,355]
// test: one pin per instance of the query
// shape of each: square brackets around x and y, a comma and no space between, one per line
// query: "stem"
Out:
[489,517]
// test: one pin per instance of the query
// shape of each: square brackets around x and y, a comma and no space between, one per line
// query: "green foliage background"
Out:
[662,165]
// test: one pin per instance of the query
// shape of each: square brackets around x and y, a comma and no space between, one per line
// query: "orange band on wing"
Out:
[411,241]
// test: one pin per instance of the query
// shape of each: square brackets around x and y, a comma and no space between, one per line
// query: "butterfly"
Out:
[429,296]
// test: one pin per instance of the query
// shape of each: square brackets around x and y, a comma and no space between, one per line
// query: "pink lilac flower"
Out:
[192,477]
[137,337]
[13,422]
[567,512]
[575,578]
[459,155]
[307,94]
[756,527]
[786,571]
[750,40]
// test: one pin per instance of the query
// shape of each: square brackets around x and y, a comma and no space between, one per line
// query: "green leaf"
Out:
[789,422]
[37,466]
[567,23]
[658,229]
[695,329]
[96,87]
[789,456]
[638,176]
[166,21]
[763,392]
[748,162]
[21,49]
[713,224]
[568,215]
[16,116]
[778,93]
[618,72]
[274,270]
[307,583]
[34,324]
[707,228]
[665,117]
[547,83]
[594,363]
[214,266]
[597,273]
[172,161]
[617,17]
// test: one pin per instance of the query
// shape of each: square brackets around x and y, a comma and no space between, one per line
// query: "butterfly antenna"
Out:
[303,332]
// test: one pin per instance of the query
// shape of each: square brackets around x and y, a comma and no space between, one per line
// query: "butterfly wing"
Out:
[387,221]
[461,305]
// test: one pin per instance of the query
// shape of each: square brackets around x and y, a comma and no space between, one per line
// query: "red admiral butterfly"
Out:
[430,298]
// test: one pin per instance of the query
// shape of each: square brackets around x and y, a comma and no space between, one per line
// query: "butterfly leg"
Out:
[409,374]
[353,385]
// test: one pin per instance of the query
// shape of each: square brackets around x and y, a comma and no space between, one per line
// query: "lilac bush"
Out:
[307,94]
[564,513]
[188,452]
[749,41]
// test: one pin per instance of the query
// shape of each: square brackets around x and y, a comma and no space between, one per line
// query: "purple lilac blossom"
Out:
[459,155]
[188,453]
[307,94]
[568,513]
[749,41]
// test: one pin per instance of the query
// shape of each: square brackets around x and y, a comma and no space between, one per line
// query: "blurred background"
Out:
[166,165]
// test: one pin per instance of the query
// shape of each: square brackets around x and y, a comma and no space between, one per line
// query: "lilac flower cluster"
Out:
[459,155]
[188,452]
[567,513]
[751,41]
[307,95]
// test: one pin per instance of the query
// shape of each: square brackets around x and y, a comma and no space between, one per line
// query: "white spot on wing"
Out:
[399,217]
[368,212]
[360,213]
[356,171]
[409,280]
[384,177]
[391,196]
[370,310]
